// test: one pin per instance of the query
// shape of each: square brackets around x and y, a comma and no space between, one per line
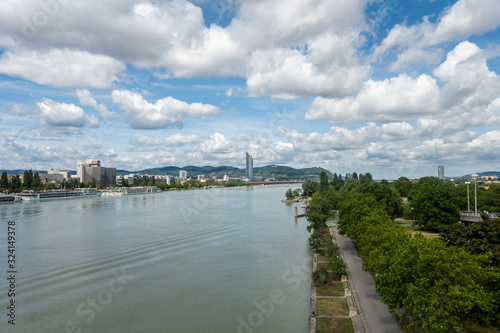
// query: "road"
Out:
[377,316]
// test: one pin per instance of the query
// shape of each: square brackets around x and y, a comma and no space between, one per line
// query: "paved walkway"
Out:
[377,317]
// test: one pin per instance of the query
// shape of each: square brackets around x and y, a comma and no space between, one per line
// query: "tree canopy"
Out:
[435,204]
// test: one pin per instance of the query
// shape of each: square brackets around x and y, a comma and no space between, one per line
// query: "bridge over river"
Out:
[466,216]
[277,182]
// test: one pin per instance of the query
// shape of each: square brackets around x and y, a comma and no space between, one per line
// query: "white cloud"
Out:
[62,68]
[397,99]
[64,115]
[264,24]
[463,19]
[86,99]
[312,42]
[146,143]
[469,89]
[229,92]
[216,143]
[285,73]
[163,113]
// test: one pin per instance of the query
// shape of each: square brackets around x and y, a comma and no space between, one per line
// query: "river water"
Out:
[215,260]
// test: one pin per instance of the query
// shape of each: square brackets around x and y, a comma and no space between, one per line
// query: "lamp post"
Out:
[474,176]
[468,197]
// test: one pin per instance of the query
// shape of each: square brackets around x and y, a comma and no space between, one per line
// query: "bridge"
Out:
[466,216]
[277,182]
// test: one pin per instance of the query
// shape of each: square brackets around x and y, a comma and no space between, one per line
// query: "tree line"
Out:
[445,284]
[16,184]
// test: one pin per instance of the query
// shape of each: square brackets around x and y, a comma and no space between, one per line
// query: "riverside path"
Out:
[377,317]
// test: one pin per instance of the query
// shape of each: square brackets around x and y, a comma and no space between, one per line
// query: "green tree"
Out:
[309,188]
[135,182]
[323,183]
[50,186]
[404,186]
[478,238]
[152,182]
[92,184]
[289,194]
[440,297]
[16,183]
[37,182]
[4,180]
[27,179]
[318,211]
[488,199]
[435,204]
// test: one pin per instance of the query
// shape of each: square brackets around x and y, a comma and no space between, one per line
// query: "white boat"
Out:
[58,195]
[130,190]
[8,198]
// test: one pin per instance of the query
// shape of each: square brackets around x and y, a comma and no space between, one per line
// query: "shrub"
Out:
[338,266]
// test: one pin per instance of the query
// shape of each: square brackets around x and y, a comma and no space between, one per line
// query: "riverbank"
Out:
[332,305]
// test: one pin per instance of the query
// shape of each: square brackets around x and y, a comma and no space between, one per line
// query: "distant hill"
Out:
[271,171]
[481,174]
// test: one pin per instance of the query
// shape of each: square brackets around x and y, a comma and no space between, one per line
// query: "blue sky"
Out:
[394,88]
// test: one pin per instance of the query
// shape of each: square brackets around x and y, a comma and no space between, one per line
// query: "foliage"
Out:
[436,287]
[289,194]
[489,199]
[36,181]
[309,187]
[440,297]
[320,276]
[323,183]
[4,181]
[316,241]
[404,186]
[320,208]
[435,204]
[478,238]
[338,266]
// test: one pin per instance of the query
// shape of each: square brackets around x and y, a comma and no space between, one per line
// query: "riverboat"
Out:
[130,191]
[59,195]
[8,198]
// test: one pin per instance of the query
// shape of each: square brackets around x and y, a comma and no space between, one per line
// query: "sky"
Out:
[394,88]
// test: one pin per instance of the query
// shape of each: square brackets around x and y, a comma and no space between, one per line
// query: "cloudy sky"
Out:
[394,88]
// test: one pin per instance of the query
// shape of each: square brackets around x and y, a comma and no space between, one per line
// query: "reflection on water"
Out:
[217,260]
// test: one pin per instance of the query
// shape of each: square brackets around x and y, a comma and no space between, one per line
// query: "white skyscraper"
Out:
[441,172]
[249,174]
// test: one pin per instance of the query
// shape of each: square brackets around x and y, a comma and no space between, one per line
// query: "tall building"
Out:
[441,172]
[92,169]
[249,174]
[183,174]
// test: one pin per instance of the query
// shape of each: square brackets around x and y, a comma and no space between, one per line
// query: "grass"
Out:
[325,266]
[337,325]
[332,307]
[323,258]
[334,289]
[413,230]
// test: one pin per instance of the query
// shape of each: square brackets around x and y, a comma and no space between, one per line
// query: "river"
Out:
[214,260]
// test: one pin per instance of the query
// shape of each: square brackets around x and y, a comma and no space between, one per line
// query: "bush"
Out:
[338,266]
[320,276]
[332,250]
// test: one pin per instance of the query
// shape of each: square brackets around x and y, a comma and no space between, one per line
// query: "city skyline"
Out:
[394,89]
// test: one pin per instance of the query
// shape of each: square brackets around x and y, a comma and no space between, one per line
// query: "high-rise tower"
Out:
[249,167]
[441,172]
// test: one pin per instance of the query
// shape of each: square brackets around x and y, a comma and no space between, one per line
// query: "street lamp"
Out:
[468,197]
[474,176]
